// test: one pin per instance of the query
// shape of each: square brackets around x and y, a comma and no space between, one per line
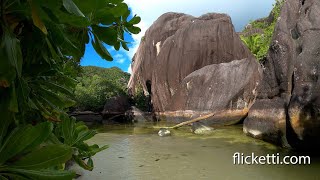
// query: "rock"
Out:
[304,106]
[227,87]
[163,132]
[117,109]
[267,121]
[201,129]
[87,116]
[175,46]
[278,67]
[138,115]
[291,71]
[144,59]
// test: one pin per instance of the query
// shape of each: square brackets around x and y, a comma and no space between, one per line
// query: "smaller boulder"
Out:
[267,121]
[117,109]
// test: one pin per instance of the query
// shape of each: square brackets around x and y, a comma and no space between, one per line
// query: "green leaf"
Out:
[44,129]
[90,7]
[117,46]
[44,157]
[3,178]
[100,49]
[81,163]
[36,18]
[133,29]
[81,128]
[57,87]
[72,8]
[115,1]
[135,20]
[13,105]
[124,45]
[13,145]
[94,149]
[14,176]
[53,139]
[6,119]
[44,174]
[11,54]
[90,151]
[104,17]
[107,34]
[68,129]
[40,106]
[77,21]
[120,10]
[53,99]
[21,138]
[84,135]
[90,162]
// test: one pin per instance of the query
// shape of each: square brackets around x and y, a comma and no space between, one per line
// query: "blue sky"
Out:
[241,12]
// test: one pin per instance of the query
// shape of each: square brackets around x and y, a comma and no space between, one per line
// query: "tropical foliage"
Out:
[98,84]
[41,44]
[259,43]
[140,99]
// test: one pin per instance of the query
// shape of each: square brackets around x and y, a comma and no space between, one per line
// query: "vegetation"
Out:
[140,100]
[41,45]
[98,84]
[259,43]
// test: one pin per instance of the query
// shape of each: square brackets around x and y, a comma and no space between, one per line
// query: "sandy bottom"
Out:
[139,153]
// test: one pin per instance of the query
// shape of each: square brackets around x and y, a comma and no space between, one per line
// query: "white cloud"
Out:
[120,60]
[150,10]
[129,69]
[118,55]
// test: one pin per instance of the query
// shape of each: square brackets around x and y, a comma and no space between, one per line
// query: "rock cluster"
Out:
[290,88]
[193,66]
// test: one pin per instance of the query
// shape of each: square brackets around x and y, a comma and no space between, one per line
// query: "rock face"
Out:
[117,108]
[227,87]
[291,72]
[267,121]
[174,51]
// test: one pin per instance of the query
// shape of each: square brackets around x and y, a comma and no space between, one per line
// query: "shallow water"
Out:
[139,153]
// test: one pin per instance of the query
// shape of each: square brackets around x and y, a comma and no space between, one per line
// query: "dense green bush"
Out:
[98,84]
[259,43]
[41,44]
[140,100]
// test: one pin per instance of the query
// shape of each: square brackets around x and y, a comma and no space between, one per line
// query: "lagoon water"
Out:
[138,153]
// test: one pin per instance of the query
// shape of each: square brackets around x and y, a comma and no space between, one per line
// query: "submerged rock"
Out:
[201,129]
[163,132]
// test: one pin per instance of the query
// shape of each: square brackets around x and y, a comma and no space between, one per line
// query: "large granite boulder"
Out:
[177,45]
[291,72]
[144,59]
[229,88]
